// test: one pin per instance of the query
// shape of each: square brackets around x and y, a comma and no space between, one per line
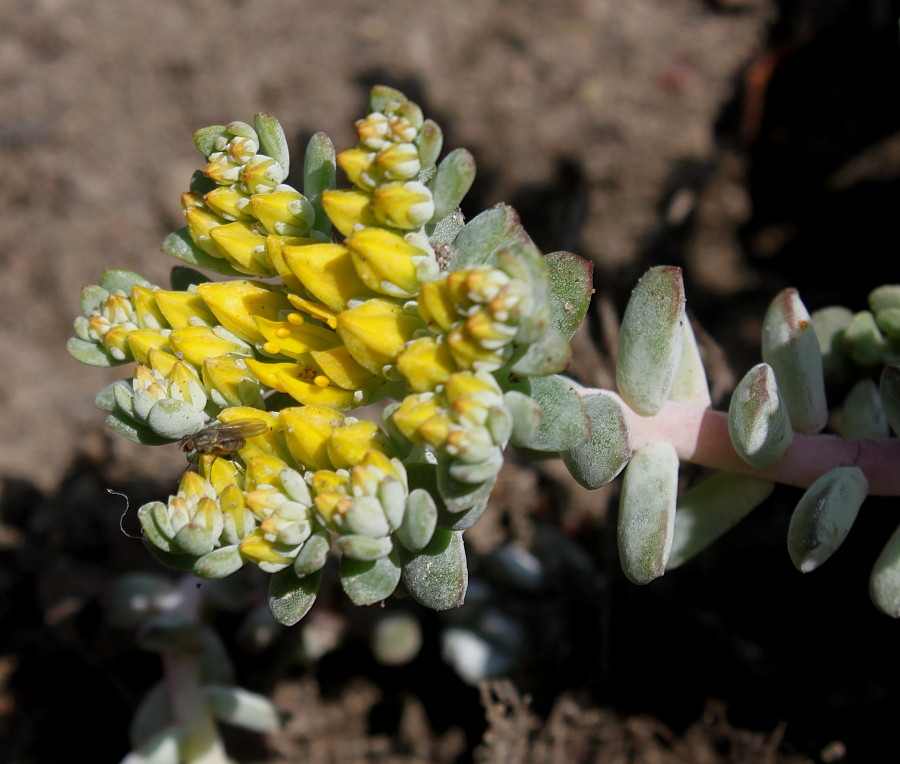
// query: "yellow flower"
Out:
[237,303]
[408,205]
[307,430]
[142,341]
[414,411]
[399,161]
[229,382]
[437,306]
[386,263]
[376,332]
[243,247]
[183,308]
[229,202]
[295,338]
[290,378]
[197,343]
[357,164]
[425,364]
[327,272]
[283,212]
[146,310]
[201,220]
[349,443]
[348,209]
[261,549]
[341,368]
[261,174]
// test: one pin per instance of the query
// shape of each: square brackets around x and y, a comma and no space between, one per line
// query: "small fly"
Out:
[221,438]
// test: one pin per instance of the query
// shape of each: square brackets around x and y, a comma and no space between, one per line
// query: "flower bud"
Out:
[403,205]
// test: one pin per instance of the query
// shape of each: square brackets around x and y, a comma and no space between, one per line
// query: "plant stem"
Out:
[182,671]
[701,436]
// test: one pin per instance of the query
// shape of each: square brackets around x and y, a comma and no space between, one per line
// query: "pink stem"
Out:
[701,436]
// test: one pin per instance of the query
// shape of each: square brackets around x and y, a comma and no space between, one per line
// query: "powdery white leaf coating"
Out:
[647,512]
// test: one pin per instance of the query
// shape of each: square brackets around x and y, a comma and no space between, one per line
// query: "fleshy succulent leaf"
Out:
[451,182]
[650,340]
[178,244]
[290,597]
[319,173]
[647,512]
[571,287]
[884,583]
[91,353]
[758,421]
[690,385]
[272,141]
[368,582]
[437,577]
[889,388]
[564,423]
[790,346]
[605,453]
[139,433]
[824,516]
[117,279]
[862,415]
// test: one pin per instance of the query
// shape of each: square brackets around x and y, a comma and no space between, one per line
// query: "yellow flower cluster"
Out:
[331,322]
[250,210]
[311,471]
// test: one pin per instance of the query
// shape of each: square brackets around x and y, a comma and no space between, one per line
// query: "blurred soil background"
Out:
[753,142]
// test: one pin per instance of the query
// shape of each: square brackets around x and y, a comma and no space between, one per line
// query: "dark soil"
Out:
[754,143]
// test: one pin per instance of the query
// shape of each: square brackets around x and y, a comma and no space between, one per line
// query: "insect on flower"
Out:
[221,438]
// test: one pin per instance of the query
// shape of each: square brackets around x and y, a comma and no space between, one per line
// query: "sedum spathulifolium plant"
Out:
[325,301]
[329,300]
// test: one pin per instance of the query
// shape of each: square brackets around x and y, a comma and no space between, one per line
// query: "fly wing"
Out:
[241,428]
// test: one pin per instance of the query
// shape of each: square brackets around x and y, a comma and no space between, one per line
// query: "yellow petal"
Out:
[200,222]
[180,307]
[437,306]
[295,339]
[275,256]
[327,272]
[316,309]
[385,262]
[147,312]
[229,202]
[284,212]
[376,332]
[142,341]
[288,378]
[258,548]
[350,443]
[413,412]
[263,470]
[340,367]
[235,303]
[232,380]
[425,364]
[197,343]
[244,248]
[307,430]
[403,205]
[357,165]
[348,209]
